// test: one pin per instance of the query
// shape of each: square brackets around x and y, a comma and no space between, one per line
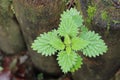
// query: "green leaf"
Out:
[70,21]
[78,43]
[78,20]
[48,43]
[56,42]
[96,45]
[68,49]
[77,64]
[68,27]
[67,40]
[66,61]
[84,29]
[74,15]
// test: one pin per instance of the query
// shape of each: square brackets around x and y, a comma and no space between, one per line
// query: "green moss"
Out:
[91,11]
[4,4]
[104,15]
[116,21]
[31,14]
[40,76]
[5,12]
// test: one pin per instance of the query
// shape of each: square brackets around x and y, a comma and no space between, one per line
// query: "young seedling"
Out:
[70,37]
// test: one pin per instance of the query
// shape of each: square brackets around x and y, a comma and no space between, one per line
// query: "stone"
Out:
[11,40]
[36,17]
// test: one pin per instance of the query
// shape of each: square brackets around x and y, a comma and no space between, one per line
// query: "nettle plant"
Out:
[70,37]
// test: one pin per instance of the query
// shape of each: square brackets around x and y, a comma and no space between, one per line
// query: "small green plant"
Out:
[105,17]
[40,76]
[71,36]
[91,12]
[116,21]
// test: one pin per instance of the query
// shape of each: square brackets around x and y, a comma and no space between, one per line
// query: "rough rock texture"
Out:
[11,40]
[36,17]
[117,76]
[113,13]
[112,7]
[105,66]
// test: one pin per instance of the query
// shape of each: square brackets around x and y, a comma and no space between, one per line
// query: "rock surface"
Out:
[36,17]
[11,40]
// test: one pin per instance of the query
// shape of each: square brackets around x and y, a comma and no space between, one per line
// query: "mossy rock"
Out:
[105,66]
[11,40]
[36,17]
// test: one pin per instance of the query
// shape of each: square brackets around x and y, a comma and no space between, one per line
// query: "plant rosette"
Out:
[70,37]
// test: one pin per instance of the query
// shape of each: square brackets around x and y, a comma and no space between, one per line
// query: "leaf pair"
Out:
[70,21]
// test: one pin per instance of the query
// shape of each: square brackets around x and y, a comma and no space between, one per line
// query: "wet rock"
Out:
[36,17]
[117,76]
[11,40]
